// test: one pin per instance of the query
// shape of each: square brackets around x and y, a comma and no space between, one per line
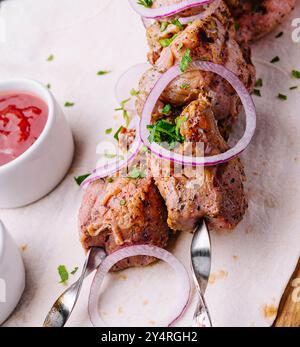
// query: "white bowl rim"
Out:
[48,99]
[2,240]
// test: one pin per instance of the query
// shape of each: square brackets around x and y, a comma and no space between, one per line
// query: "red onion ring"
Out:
[183,20]
[161,12]
[127,81]
[117,165]
[131,251]
[242,92]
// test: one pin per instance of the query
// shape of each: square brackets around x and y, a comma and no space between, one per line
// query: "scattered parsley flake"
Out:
[69,104]
[48,86]
[167,109]
[293,87]
[296,73]
[63,273]
[257,92]
[259,83]
[110,180]
[75,270]
[275,60]
[282,96]
[125,113]
[50,58]
[108,131]
[134,92]
[186,60]
[103,72]
[80,179]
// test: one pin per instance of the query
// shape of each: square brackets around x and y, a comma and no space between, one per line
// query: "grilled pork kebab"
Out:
[119,211]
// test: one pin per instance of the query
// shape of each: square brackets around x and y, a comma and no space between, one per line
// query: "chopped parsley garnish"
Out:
[167,109]
[80,179]
[122,202]
[236,26]
[166,42]
[116,136]
[275,60]
[108,131]
[257,92]
[146,3]
[296,73]
[186,60]
[48,86]
[293,87]
[184,86]
[178,24]
[69,104]
[50,58]
[279,35]
[259,83]
[125,113]
[134,92]
[103,72]
[75,270]
[110,180]
[63,274]
[136,173]
[163,26]
[164,131]
[282,96]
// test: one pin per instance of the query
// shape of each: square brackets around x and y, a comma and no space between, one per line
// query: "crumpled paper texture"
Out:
[251,266]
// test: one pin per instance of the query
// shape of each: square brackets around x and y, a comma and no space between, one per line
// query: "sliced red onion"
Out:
[118,164]
[242,92]
[147,22]
[145,250]
[161,12]
[129,80]
[183,20]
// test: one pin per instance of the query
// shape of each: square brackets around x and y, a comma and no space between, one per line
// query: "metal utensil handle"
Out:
[201,317]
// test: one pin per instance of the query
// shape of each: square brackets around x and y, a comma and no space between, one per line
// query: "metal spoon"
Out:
[201,265]
[64,305]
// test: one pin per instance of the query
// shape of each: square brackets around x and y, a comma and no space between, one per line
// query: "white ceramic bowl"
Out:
[12,274]
[39,169]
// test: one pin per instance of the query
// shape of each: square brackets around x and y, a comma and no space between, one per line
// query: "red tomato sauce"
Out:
[22,119]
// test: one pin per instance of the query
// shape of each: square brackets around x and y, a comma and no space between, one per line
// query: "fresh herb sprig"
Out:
[80,179]
[145,3]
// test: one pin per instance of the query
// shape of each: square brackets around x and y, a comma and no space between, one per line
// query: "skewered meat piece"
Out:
[217,193]
[121,213]
[257,18]
[211,38]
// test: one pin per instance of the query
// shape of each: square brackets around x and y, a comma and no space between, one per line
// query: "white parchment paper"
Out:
[251,266]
